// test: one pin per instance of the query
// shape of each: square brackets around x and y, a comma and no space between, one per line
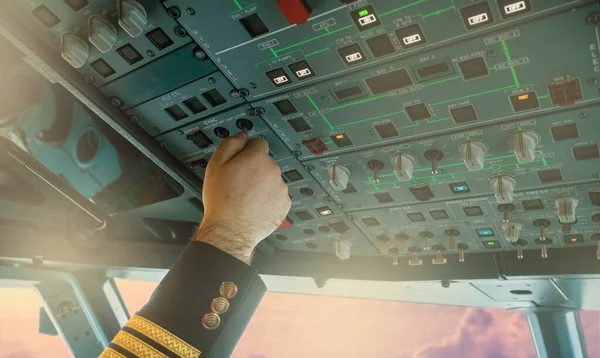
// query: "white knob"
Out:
[339,176]
[403,164]
[523,144]
[342,249]
[472,152]
[503,186]
[132,17]
[566,209]
[103,34]
[512,231]
[74,49]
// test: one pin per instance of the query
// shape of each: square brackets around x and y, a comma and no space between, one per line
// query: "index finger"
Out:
[229,148]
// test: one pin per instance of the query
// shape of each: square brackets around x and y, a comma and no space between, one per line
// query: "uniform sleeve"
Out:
[200,309]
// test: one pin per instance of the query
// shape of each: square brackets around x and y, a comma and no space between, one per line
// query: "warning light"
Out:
[573,239]
[363,13]
[492,244]
[523,97]
[339,136]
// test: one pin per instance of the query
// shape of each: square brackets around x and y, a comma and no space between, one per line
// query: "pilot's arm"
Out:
[202,306]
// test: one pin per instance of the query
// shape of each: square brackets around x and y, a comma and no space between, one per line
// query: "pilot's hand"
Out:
[245,198]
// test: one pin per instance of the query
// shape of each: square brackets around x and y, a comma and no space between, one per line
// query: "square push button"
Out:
[365,18]
[279,77]
[301,70]
[411,36]
[477,15]
[352,54]
[510,8]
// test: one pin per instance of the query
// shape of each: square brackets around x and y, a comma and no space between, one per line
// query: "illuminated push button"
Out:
[352,54]
[365,18]
[132,17]
[503,186]
[512,231]
[477,15]
[279,77]
[566,209]
[302,70]
[74,49]
[403,164]
[460,188]
[473,152]
[342,249]
[341,140]
[410,36]
[524,101]
[339,176]
[103,34]
[510,8]
[295,11]
[523,144]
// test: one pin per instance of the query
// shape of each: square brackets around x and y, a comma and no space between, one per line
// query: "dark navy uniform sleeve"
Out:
[200,309]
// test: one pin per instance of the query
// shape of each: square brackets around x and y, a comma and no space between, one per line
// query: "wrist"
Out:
[226,240]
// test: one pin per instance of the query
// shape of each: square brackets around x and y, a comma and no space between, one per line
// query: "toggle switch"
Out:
[414,256]
[339,176]
[102,34]
[452,234]
[403,164]
[383,243]
[544,243]
[523,144]
[342,249]
[376,166]
[520,244]
[132,17]
[505,209]
[426,235]
[596,237]
[402,242]
[512,231]
[503,186]
[461,251]
[542,224]
[395,253]
[473,152]
[566,209]
[439,259]
[74,49]
[434,156]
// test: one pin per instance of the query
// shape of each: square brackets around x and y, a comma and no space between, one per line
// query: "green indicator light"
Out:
[490,243]
[363,13]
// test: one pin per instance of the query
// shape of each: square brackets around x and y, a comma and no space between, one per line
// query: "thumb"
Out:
[229,148]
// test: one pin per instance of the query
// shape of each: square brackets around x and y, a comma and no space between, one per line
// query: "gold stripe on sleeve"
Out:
[163,337]
[111,353]
[136,346]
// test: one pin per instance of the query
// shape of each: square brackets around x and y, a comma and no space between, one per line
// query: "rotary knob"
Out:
[103,34]
[403,164]
[523,144]
[74,49]
[339,176]
[503,186]
[473,152]
[132,17]
[566,209]
[512,231]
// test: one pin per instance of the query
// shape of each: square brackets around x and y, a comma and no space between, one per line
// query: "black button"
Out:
[564,132]
[371,222]
[550,176]
[586,152]
[254,25]
[130,54]
[477,15]
[348,93]
[176,113]
[473,68]
[534,204]
[460,188]
[415,217]
[430,72]
[341,140]
[279,77]
[45,16]
[473,211]
[387,130]
[510,8]
[302,70]
[573,239]
[285,107]
[199,139]
[463,114]
[439,214]
[352,54]
[421,193]
[324,211]
[381,45]
[365,18]
[389,81]
[304,215]
[411,36]
[383,198]
[524,101]
[214,97]
[299,125]
[194,105]
[159,38]
[417,112]
[340,227]
[293,175]
[102,68]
